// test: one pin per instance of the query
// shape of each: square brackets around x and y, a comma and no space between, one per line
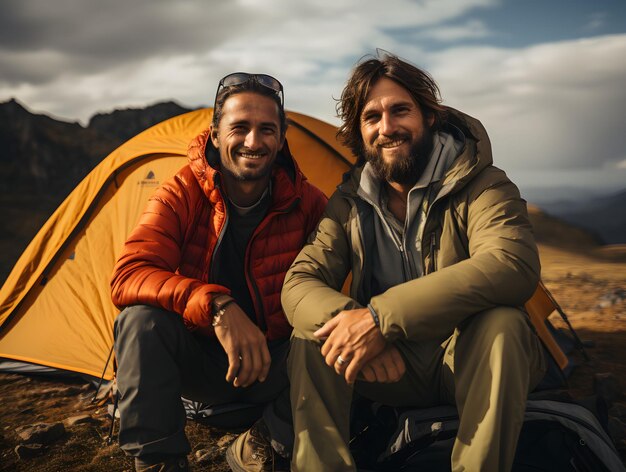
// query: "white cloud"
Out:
[469,30]
[121,55]
[551,106]
[596,21]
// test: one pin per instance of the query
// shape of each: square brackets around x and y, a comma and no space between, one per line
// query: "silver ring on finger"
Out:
[341,360]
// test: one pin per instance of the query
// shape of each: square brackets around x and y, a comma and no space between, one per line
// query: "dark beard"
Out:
[248,176]
[407,169]
[243,175]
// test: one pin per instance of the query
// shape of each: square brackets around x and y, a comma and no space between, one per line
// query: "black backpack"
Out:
[556,436]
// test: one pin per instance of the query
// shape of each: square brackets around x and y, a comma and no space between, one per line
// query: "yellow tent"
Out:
[55,306]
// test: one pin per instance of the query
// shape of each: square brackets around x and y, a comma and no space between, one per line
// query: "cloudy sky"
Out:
[547,78]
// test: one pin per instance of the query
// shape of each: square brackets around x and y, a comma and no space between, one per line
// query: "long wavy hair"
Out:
[420,85]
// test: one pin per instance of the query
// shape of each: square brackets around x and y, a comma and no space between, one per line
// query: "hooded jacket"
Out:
[166,260]
[478,251]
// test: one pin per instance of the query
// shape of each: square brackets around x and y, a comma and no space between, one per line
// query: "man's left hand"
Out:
[351,340]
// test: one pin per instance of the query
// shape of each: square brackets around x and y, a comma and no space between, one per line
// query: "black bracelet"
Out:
[220,301]
[374,315]
[219,309]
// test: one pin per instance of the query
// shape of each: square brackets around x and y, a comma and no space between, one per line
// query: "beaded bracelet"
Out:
[220,308]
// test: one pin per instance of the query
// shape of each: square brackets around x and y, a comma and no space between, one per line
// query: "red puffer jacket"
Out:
[167,257]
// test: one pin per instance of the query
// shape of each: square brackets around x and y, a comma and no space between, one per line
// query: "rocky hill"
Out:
[47,157]
[41,155]
[553,231]
[123,124]
[600,211]
[604,215]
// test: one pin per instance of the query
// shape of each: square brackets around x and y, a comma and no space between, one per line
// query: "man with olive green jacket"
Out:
[442,257]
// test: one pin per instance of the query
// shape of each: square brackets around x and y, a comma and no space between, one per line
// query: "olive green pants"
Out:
[486,368]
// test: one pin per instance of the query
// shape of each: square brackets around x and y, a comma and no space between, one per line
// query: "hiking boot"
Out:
[252,451]
[162,464]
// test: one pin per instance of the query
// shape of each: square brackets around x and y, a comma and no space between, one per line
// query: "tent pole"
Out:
[95,395]
[110,437]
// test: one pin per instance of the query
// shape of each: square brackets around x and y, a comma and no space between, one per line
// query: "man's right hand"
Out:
[245,345]
[386,367]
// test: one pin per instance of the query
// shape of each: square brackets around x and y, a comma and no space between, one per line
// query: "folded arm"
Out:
[502,269]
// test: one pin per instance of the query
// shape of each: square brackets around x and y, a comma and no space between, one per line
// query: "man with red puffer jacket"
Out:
[199,281]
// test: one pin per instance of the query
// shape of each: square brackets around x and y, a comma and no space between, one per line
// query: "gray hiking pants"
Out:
[159,361]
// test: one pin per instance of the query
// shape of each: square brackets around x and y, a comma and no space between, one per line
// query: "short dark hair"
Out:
[250,86]
[420,85]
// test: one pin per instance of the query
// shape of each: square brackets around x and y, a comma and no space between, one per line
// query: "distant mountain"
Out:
[42,159]
[553,231]
[48,157]
[605,216]
[44,156]
[126,123]
[560,195]
[602,214]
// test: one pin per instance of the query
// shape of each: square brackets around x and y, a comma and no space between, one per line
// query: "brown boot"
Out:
[252,451]
[167,464]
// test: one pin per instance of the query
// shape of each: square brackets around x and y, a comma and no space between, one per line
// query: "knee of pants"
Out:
[509,324]
[138,320]
[305,361]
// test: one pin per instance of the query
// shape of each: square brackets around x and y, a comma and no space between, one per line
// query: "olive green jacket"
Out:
[478,252]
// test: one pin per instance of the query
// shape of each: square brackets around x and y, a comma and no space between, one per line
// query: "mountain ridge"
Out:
[603,215]
[48,157]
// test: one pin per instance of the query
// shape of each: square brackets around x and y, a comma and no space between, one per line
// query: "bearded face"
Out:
[397,137]
[407,165]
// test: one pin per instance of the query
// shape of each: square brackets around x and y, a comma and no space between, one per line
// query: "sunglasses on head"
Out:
[242,78]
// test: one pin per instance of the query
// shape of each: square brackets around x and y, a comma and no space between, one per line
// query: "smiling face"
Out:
[397,139]
[248,138]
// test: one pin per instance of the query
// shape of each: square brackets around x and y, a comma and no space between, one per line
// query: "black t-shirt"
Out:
[229,259]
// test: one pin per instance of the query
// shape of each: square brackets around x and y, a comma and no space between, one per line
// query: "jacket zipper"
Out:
[251,282]
[211,275]
[433,251]
[406,269]
[358,283]
[260,316]
[220,237]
